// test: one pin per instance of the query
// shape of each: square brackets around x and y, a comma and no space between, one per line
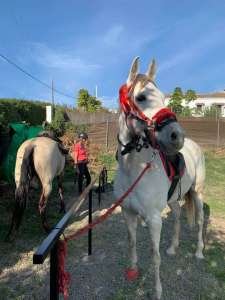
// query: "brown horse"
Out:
[37,158]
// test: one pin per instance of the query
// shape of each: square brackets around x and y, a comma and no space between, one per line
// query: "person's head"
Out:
[83,137]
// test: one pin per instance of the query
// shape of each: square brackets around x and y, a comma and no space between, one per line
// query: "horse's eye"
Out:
[141,98]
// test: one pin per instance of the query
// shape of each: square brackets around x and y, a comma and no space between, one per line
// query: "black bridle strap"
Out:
[129,146]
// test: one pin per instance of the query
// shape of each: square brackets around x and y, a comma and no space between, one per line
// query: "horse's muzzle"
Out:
[171,138]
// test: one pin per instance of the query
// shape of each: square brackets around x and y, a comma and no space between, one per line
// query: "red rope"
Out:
[64,277]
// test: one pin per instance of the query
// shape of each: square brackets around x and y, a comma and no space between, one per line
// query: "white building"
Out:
[204,101]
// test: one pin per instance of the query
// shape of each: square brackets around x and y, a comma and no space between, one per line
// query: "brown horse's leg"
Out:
[42,205]
[60,191]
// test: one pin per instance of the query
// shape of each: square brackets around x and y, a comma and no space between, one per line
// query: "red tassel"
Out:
[63,276]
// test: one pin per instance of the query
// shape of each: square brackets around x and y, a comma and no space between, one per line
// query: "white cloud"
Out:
[64,61]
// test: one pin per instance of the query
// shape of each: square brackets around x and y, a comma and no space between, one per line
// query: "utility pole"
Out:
[96,91]
[53,100]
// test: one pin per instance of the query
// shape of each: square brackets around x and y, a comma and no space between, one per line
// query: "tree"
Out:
[190,95]
[87,102]
[58,123]
[175,102]
[213,111]
[94,104]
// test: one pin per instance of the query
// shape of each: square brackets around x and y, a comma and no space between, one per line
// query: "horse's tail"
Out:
[190,209]
[22,176]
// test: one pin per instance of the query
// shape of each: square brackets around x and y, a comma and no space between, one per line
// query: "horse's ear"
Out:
[133,71]
[151,70]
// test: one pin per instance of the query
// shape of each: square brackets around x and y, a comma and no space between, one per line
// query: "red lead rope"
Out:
[64,277]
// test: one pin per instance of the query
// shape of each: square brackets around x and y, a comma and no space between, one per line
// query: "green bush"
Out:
[186,112]
[15,110]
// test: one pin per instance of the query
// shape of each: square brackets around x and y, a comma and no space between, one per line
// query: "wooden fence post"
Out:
[107,135]
[218,132]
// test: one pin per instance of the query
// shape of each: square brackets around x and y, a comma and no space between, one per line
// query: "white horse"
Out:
[41,159]
[140,102]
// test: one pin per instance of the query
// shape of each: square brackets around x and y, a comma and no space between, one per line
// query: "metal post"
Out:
[90,221]
[99,190]
[54,295]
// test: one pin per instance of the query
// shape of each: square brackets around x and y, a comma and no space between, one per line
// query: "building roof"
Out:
[207,95]
[212,95]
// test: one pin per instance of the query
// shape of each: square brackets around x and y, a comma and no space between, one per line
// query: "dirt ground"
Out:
[101,276]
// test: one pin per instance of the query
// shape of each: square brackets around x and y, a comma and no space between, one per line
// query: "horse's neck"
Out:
[124,135]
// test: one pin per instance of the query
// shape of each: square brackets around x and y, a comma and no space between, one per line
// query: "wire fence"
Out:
[207,132]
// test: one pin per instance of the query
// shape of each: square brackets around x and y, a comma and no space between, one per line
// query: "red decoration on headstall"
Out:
[162,114]
[128,106]
[124,99]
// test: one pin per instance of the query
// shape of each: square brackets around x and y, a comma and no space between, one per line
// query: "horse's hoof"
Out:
[131,274]
[171,251]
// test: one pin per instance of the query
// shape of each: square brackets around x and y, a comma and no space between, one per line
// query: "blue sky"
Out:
[81,44]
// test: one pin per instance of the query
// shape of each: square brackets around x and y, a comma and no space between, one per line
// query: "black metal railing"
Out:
[50,243]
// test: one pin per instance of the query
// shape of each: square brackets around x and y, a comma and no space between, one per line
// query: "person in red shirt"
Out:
[81,160]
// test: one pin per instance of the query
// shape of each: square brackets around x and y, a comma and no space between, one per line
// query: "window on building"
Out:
[199,107]
[219,108]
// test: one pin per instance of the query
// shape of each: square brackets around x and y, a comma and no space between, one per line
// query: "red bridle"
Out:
[130,108]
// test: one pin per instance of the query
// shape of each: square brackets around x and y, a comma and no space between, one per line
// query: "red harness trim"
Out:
[171,167]
[128,106]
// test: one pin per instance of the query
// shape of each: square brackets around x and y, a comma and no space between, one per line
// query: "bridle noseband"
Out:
[162,118]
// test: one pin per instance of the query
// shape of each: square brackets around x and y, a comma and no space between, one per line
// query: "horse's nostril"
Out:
[173,136]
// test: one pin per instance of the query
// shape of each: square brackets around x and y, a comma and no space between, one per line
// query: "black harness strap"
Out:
[179,165]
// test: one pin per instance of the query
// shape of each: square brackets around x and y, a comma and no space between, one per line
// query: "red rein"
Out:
[129,107]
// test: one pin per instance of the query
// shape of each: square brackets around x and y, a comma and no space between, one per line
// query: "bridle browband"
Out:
[162,118]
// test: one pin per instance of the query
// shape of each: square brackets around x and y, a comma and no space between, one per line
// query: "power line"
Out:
[34,77]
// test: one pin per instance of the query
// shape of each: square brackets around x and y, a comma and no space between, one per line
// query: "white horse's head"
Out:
[143,108]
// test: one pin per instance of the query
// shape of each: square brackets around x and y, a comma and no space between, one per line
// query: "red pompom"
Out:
[131,274]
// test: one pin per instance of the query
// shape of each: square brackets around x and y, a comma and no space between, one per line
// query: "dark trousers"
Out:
[83,172]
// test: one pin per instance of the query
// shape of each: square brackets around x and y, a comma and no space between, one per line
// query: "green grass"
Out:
[109,161]
[214,193]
